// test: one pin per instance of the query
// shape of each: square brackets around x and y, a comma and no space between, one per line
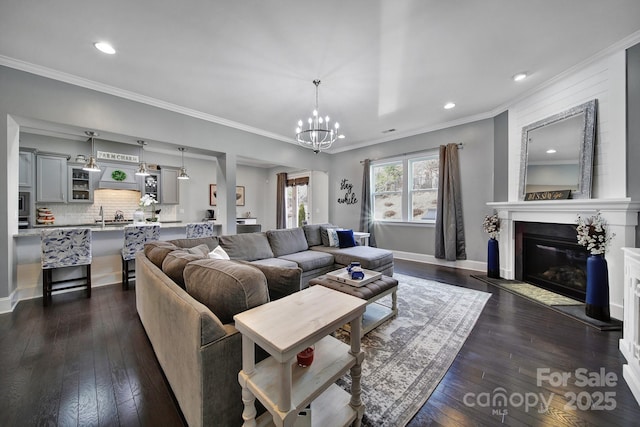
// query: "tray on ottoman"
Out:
[343,276]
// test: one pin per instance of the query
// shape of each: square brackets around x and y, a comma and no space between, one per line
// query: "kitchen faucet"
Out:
[101,216]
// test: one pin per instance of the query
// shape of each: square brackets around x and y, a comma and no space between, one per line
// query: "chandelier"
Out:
[319,135]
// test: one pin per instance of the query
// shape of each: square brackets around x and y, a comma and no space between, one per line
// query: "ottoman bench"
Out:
[375,314]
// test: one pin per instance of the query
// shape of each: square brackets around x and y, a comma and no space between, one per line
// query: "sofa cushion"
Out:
[248,247]
[346,239]
[312,233]
[370,258]
[175,262]
[211,242]
[287,241]
[281,280]
[158,250]
[310,260]
[226,287]
[275,262]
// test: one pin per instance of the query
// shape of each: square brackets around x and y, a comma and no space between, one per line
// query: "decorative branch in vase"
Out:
[491,226]
[592,234]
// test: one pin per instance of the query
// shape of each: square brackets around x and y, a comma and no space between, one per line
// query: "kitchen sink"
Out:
[111,222]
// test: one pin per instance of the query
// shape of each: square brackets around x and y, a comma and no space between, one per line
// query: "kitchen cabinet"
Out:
[51,178]
[25,167]
[170,194]
[163,185]
[80,185]
[151,185]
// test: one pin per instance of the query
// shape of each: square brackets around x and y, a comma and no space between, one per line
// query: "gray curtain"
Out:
[366,215]
[281,202]
[450,243]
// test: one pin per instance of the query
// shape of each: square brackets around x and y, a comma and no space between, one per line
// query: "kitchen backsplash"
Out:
[111,201]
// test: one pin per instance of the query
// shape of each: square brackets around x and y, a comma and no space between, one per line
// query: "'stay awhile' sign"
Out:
[349,196]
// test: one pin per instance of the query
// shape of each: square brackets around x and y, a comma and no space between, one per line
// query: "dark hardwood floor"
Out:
[88,362]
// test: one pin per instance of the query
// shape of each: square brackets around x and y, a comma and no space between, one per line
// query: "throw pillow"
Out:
[218,253]
[324,233]
[175,262]
[332,233]
[201,250]
[346,239]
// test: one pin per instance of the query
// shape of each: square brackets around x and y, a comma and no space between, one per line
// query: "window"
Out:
[405,189]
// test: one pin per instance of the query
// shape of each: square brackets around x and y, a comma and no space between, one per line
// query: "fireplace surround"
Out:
[621,215]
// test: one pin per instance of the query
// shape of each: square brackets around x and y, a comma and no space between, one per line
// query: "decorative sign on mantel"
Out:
[548,195]
[349,196]
[105,155]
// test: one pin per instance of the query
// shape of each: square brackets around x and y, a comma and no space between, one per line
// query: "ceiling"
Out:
[250,63]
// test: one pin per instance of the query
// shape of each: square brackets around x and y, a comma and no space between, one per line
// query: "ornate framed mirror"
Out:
[557,153]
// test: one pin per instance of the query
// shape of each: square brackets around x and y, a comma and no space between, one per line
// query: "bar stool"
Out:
[199,229]
[61,248]
[135,237]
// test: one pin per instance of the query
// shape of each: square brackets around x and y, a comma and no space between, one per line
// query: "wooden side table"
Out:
[285,327]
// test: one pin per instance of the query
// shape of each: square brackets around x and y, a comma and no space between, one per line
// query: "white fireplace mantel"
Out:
[620,214]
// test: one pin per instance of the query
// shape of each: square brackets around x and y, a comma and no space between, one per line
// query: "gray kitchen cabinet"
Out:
[80,185]
[170,194]
[51,178]
[151,185]
[25,167]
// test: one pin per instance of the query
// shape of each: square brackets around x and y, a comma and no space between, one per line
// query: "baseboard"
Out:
[430,259]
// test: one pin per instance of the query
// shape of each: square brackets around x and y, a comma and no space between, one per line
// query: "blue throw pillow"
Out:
[346,239]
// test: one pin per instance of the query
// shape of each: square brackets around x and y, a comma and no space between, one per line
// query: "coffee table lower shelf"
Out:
[335,398]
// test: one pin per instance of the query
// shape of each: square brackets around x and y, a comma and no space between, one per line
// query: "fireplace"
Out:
[548,255]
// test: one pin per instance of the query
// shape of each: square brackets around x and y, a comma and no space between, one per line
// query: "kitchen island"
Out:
[107,243]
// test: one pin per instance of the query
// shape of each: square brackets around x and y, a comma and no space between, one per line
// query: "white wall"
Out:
[603,80]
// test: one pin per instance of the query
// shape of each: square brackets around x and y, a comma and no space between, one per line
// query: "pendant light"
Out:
[142,167]
[91,165]
[183,171]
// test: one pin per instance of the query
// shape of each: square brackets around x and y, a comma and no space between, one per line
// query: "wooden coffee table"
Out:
[285,327]
[375,313]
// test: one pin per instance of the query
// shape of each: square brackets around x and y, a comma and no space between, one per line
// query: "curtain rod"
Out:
[460,147]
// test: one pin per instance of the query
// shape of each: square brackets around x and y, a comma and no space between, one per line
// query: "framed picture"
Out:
[240,196]
[212,195]
[213,201]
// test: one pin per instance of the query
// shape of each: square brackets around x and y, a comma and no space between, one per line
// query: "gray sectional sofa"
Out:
[186,302]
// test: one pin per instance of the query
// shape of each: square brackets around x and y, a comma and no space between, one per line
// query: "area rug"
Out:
[567,306]
[407,356]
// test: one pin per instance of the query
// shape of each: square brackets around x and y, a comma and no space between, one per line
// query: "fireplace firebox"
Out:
[549,256]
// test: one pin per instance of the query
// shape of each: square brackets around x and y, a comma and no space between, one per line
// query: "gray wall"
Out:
[25,96]
[633,122]
[501,157]
[476,165]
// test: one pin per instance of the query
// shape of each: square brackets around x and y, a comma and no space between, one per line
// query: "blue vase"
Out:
[493,259]
[597,288]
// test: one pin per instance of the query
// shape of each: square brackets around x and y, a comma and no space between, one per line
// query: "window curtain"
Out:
[281,200]
[450,242]
[366,215]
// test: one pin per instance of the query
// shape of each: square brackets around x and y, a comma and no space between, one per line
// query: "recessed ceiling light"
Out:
[519,77]
[105,47]
[551,151]
[449,105]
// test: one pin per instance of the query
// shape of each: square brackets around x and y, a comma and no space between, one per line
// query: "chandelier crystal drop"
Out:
[319,135]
